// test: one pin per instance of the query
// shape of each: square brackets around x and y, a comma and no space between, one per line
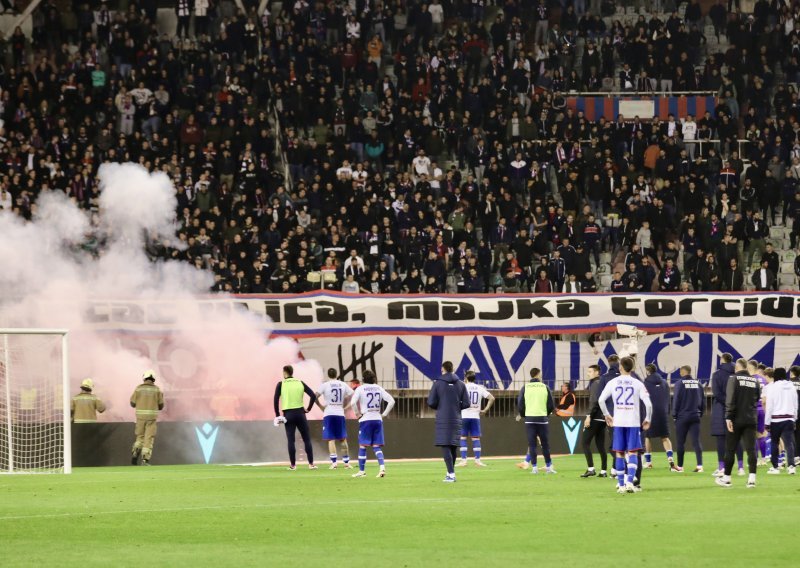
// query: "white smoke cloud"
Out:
[212,364]
[135,202]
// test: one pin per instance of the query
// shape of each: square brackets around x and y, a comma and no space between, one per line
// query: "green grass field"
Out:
[499,515]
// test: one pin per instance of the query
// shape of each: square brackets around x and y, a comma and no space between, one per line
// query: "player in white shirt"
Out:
[367,402]
[337,395]
[471,418]
[626,393]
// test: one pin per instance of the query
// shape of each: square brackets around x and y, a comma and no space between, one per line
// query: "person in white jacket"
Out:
[689,133]
[201,17]
[779,418]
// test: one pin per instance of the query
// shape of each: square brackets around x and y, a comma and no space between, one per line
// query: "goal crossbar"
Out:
[31,331]
[67,437]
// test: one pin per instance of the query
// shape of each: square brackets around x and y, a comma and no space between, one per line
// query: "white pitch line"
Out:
[244,468]
[218,507]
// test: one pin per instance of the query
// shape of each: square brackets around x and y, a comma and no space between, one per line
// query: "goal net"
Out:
[34,402]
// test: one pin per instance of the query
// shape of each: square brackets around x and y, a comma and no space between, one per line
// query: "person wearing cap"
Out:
[148,400]
[85,405]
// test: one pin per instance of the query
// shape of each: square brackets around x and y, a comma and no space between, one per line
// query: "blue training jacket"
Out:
[658,389]
[719,382]
[688,400]
[605,378]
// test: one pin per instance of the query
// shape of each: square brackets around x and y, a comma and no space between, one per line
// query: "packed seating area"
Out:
[375,147]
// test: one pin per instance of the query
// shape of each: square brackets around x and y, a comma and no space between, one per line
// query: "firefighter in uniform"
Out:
[148,400]
[85,405]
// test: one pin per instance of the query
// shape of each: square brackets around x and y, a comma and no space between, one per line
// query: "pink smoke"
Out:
[212,364]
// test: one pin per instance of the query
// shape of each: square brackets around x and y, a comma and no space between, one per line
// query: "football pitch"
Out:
[499,515]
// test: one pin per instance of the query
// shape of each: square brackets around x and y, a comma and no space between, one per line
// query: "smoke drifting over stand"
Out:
[213,362]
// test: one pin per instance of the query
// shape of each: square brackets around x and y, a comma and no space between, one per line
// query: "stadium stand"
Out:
[450,146]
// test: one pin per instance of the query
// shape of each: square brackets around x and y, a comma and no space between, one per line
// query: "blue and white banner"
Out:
[326,314]
[505,362]
[332,314]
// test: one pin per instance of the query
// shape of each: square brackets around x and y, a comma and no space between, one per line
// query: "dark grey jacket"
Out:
[448,397]
[719,384]
[742,395]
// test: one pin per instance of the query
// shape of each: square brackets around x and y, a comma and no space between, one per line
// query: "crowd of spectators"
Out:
[397,146]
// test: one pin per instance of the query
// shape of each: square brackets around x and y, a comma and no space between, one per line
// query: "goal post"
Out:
[34,401]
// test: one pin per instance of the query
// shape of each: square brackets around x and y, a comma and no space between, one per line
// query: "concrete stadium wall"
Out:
[108,444]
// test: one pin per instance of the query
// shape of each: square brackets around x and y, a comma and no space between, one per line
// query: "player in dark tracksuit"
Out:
[688,405]
[742,396]
[612,373]
[594,427]
[658,389]
[448,396]
[289,393]
[719,382]
[535,404]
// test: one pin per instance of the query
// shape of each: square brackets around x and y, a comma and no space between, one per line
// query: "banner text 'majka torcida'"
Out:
[324,313]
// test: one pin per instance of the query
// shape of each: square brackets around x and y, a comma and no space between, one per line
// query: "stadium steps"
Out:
[9,21]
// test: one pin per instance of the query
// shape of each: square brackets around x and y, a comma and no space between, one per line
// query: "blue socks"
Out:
[669,455]
[378,454]
[334,457]
[464,449]
[619,465]
[346,458]
[476,449]
[362,458]
[648,458]
[633,462]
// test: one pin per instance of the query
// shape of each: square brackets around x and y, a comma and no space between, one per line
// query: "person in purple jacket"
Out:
[762,438]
